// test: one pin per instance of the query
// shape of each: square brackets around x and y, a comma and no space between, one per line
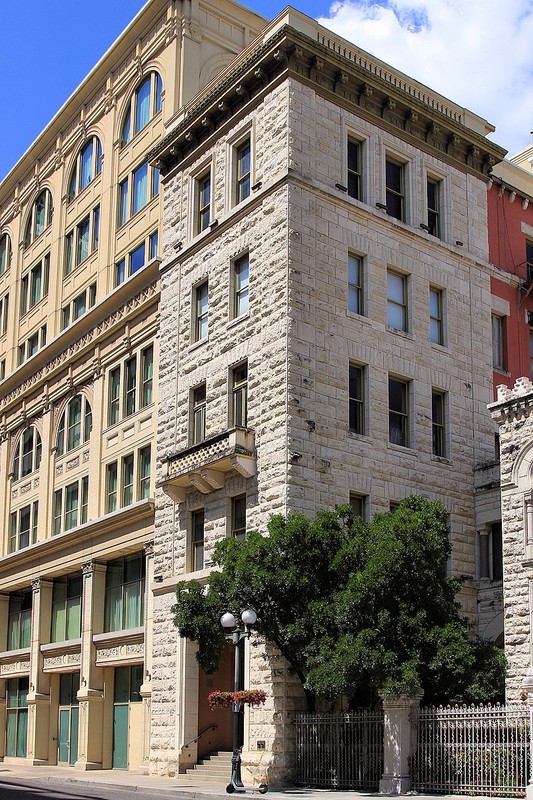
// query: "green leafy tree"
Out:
[354,608]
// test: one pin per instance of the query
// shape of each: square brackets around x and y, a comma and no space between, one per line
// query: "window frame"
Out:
[6,252]
[433,205]
[395,304]
[439,444]
[123,591]
[239,395]
[126,479]
[67,586]
[34,284]
[128,199]
[77,177]
[66,428]
[29,447]
[436,316]
[197,540]
[203,185]
[242,178]
[20,537]
[198,413]
[356,287]
[356,401]
[33,229]
[354,167]
[238,514]
[394,195]
[71,505]
[19,620]
[200,315]
[130,128]
[402,415]
[240,287]
[499,342]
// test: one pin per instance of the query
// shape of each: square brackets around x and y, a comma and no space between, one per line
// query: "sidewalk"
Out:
[179,787]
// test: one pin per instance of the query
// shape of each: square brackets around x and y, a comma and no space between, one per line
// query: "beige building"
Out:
[80,229]
[325,332]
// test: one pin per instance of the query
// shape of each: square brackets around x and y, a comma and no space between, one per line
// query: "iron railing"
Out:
[340,750]
[472,750]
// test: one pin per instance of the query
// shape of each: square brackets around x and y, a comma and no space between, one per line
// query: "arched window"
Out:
[145,103]
[75,425]
[5,253]
[27,456]
[40,217]
[88,165]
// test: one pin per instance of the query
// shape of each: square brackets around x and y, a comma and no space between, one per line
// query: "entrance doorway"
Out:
[127,717]
[69,683]
[220,738]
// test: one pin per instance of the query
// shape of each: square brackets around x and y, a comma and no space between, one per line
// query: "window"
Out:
[28,454]
[75,425]
[127,685]
[19,620]
[358,505]
[17,716]
[88,165]
[354,169]
[130,386]
[203,202]
[2,369]
[136,259]
[238,517]
[40,217]
[198,414]
[200,311]
[144,183]
[531,353]
[128,481]
[32,345]
[71,505]
[498,343]
[239,382]
[396,301]
[496,554]
[398,412]
[34,285]
[243,171]
[529,260]
[241,277]
[66,608]
[433,201]
[438,403]
[4,305]
[356,400]
[5,253]
[82,240]
[23,527]
[79,306]
[124,593]
[436,322]
[197,540]
[395,191]
[145,103]
[145,463]
[355,284]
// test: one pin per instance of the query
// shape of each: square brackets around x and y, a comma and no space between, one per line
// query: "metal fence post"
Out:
[527,687]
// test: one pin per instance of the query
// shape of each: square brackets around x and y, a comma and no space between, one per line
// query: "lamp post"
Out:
[235,632]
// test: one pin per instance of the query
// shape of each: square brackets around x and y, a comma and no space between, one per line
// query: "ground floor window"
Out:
[17,716]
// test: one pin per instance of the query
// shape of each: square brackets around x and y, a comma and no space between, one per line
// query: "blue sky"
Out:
[48,48]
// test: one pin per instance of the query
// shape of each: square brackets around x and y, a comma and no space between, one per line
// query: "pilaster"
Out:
[91,692]
[39,689]
[398,741]
[146,688]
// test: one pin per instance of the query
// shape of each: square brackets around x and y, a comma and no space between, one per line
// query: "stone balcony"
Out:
[204,466]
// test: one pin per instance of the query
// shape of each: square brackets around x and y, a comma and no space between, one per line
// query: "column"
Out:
[529,525]
[39,740]
[146,688]
[4,611]
[398,743]
[91,692]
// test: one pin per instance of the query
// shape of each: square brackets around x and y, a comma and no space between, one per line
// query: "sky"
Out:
[477,53]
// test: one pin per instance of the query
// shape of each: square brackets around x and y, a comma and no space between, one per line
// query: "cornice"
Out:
[352,84]
[73,343]
[513,404]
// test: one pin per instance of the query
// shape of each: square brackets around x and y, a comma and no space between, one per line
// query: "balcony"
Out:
[203,466]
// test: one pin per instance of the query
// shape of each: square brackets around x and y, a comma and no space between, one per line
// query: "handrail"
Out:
[209,727]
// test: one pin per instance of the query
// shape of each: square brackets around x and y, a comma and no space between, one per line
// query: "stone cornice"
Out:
[72,344]
[414,116]
[513,404]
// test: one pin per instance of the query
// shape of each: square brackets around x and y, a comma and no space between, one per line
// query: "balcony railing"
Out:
[204,466]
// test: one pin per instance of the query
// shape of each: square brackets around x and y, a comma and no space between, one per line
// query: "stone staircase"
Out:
[215,768]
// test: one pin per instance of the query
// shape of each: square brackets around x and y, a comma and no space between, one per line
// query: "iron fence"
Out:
[472,750]
[340,750]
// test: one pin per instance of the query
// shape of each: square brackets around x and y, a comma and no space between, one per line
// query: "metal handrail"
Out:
[209,727]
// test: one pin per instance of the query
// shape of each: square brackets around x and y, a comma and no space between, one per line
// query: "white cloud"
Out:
[477,53]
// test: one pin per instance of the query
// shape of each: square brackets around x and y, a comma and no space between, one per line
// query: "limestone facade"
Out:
[257,290]
[80,230]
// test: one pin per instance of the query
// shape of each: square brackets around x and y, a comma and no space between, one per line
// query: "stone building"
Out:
[325,331]
[80,228]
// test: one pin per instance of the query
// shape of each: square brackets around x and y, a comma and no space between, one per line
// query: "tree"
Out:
[355,608]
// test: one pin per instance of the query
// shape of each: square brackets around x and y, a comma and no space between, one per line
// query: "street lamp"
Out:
[235,632]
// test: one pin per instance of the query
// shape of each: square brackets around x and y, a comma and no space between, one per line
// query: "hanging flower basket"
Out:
[218,699]
[251,697]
